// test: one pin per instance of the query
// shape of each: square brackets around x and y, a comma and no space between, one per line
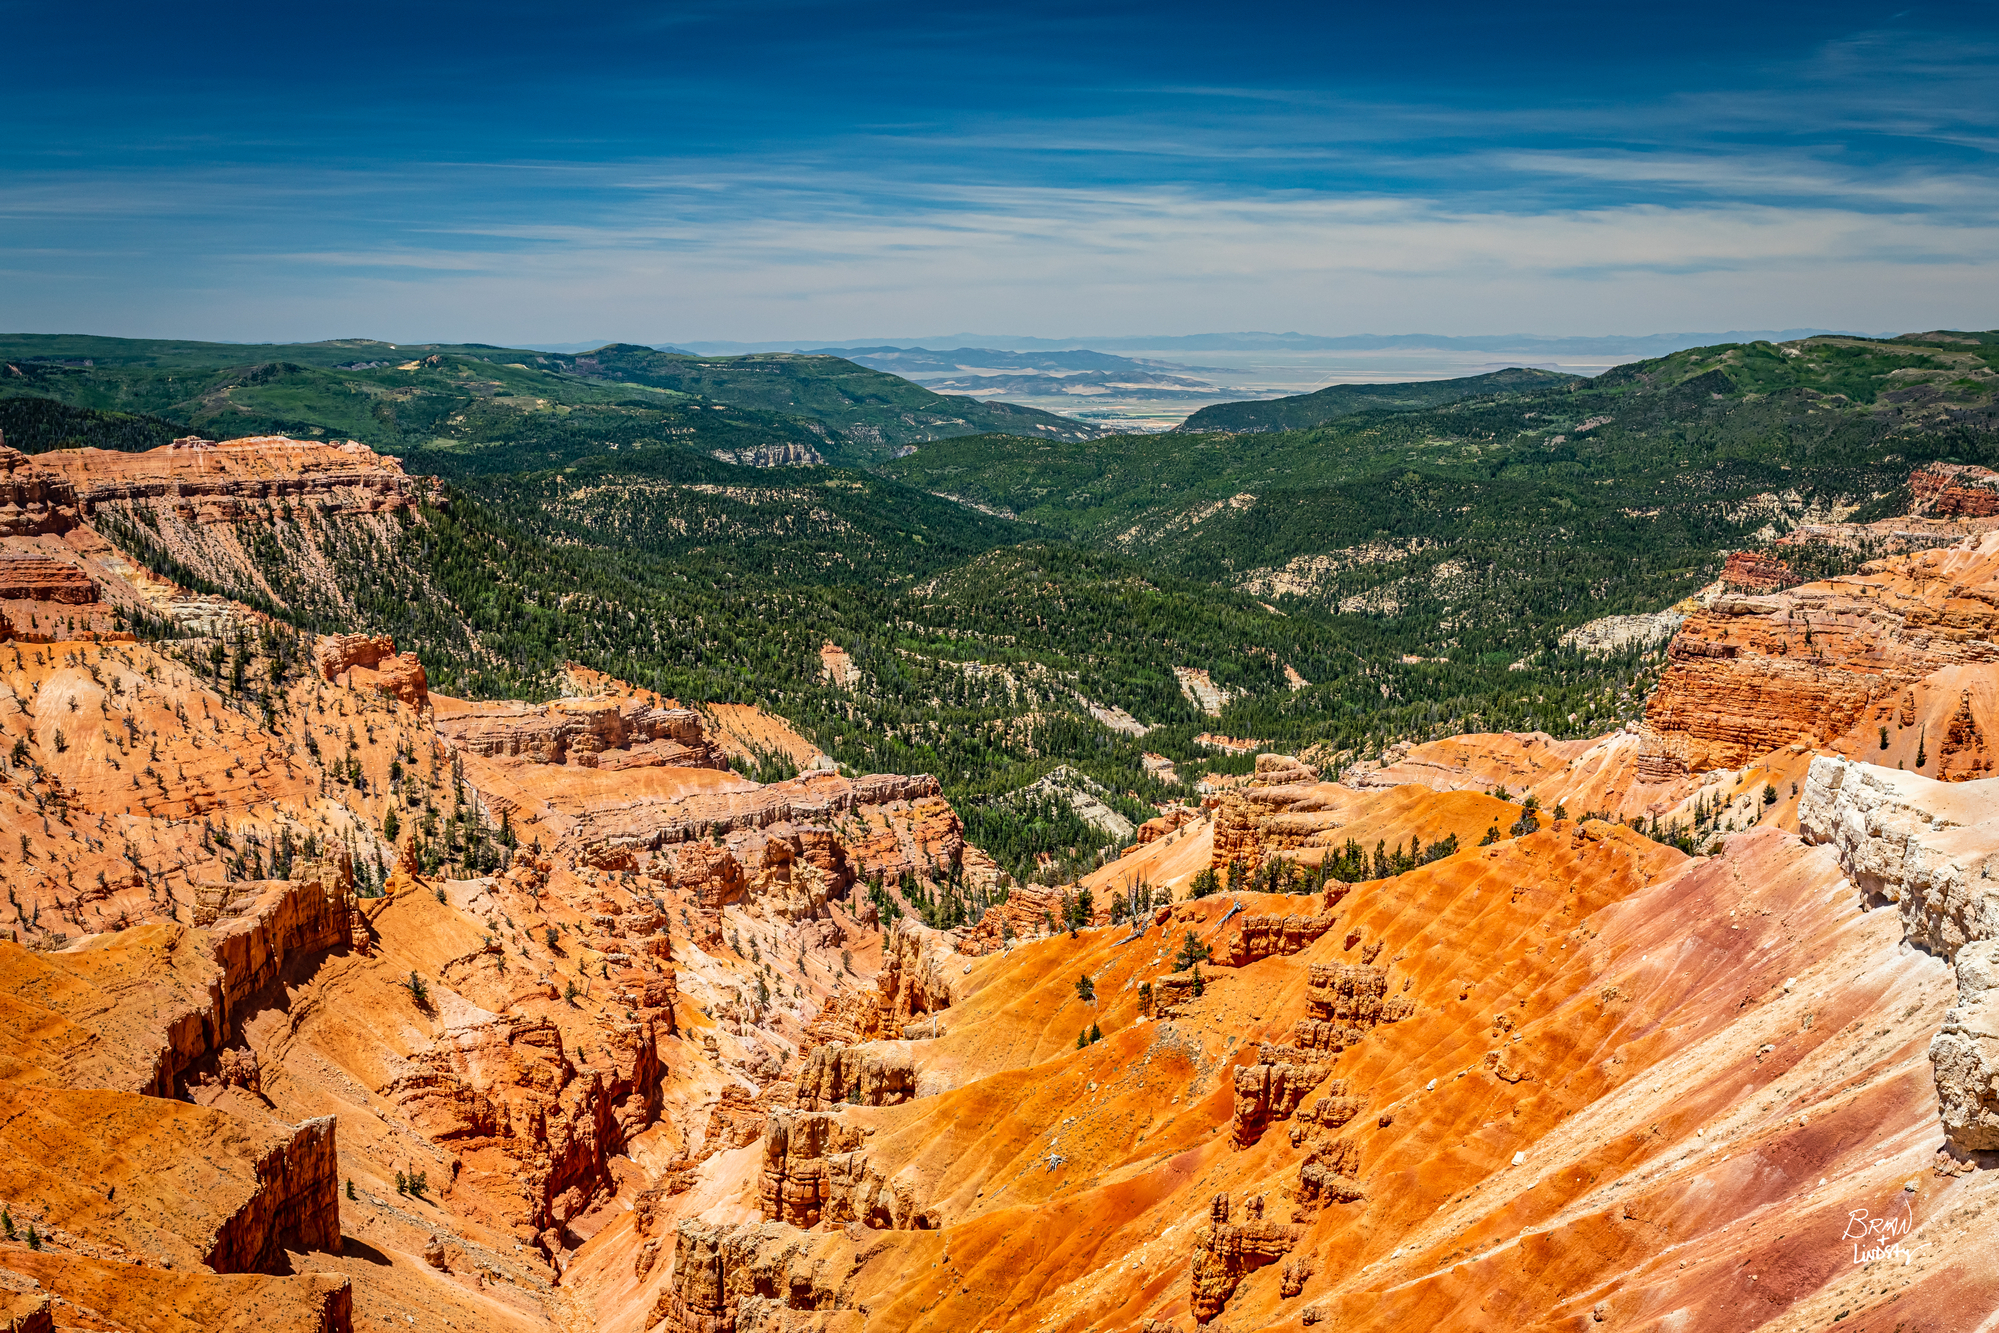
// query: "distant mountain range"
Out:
[1635,346]
[913,361]
[1304,411]
[984,372]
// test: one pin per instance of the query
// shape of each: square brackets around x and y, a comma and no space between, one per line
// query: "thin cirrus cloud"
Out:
[794,170]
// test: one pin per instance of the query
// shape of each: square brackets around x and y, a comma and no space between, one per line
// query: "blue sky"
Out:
[512,173]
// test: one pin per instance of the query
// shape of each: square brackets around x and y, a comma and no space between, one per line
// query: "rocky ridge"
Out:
[1930,850]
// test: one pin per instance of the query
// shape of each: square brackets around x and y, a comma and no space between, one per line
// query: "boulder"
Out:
[1964,1056]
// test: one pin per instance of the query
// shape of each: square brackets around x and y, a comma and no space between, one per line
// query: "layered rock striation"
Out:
[1756,572]
[835,1074]
[1272,1089]
[610,733]
[1931,849]
[214,482]
[731,1280]
[398,675]
[1345,1002]
[617,832]
[1829,664]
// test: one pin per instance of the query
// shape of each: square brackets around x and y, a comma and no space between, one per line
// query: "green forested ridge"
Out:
[1402,563]
[472,408]
[1306,410]
[36,425]
[1484,528]
[871,412]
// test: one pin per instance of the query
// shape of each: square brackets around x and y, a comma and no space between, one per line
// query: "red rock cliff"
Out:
[1829,663]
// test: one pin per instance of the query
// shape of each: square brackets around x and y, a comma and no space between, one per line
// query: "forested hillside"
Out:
[470,408]
[1483,528]
[1012,605]
[1306,410]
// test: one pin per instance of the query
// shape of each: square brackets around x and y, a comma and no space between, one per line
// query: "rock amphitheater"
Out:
[666,1069]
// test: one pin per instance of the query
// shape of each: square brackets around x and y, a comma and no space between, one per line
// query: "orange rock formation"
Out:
[1828,664]
[1954,490]
[1748,571]
[655,1063]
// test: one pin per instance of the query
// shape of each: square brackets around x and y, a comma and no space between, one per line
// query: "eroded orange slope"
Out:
[1614,1013]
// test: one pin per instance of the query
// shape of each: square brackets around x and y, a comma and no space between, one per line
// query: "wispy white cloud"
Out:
[1855,188]
[669,253]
